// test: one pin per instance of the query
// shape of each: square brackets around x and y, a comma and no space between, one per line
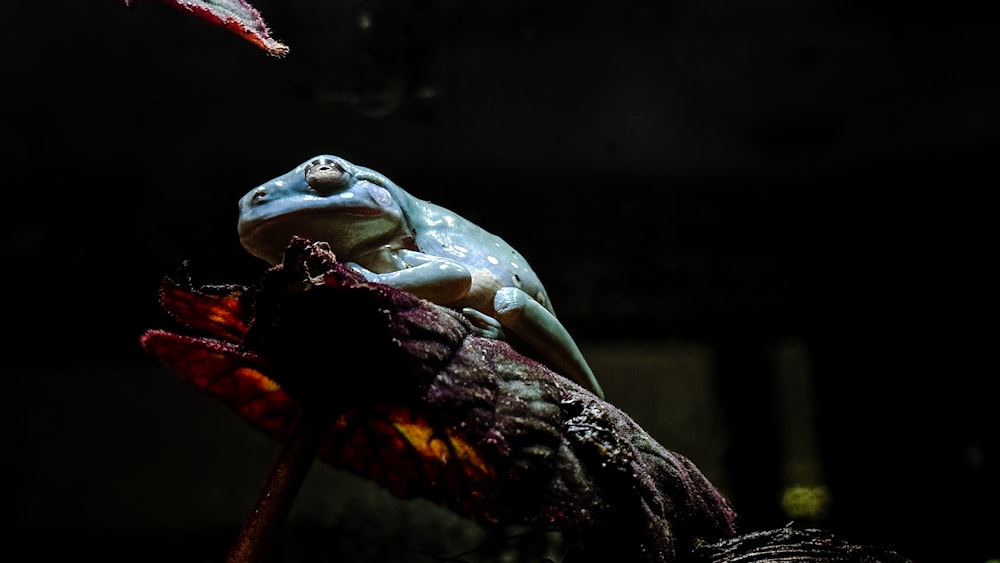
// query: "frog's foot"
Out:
[547,338]
[368,274]
[483,324]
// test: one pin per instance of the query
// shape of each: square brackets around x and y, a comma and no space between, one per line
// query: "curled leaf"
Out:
[426,408]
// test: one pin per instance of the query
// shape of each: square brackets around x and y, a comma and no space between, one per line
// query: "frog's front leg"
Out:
[542,332]
[433,278]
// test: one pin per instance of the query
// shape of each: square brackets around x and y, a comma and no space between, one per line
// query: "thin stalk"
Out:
[262,527]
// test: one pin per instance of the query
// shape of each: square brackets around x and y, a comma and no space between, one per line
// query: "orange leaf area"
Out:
[411,456]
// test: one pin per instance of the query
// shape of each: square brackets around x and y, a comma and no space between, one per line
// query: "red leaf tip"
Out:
[237,16]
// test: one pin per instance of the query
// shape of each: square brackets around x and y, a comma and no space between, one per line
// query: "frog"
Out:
[394,238]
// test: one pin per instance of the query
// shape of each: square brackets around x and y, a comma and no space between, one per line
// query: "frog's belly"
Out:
[484,287]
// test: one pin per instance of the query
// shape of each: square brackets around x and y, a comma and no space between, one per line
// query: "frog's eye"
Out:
[326,176]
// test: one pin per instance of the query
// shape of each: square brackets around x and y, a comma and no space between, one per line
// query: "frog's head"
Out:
[326,198]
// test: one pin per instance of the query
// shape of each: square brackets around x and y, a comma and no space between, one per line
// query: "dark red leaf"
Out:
[236,16]
[229,373]
[219,311]
[428,409]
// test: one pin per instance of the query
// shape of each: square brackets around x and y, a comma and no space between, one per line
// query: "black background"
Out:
[725,175]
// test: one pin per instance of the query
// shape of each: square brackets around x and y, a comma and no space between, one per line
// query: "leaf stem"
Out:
[258,535]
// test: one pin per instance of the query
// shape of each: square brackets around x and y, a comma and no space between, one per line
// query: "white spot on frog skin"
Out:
[279,183]
[514,265]
[492,260]
[346,195]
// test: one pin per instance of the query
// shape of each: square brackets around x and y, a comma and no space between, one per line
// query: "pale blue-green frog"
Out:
[394,238]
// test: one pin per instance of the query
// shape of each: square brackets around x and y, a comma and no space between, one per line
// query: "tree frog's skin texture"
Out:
[394,238]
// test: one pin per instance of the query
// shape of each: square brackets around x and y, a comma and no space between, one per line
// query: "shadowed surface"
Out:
[708,191]
[445,415]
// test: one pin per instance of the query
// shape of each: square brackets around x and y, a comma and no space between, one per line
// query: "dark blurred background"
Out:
[766,223]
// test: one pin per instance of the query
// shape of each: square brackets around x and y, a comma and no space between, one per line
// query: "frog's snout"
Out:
[326,176]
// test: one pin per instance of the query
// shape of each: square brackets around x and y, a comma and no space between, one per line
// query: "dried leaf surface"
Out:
[235,15]
[428,409]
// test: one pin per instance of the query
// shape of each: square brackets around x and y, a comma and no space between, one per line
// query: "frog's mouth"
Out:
[255,215]
[348,231]
[304,222]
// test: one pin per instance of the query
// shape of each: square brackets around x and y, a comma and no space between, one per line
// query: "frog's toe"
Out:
[483,324]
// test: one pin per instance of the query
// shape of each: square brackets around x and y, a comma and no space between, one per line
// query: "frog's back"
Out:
[493,262]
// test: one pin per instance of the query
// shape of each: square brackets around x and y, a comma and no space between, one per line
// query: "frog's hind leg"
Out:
[542,332]
[484,325]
